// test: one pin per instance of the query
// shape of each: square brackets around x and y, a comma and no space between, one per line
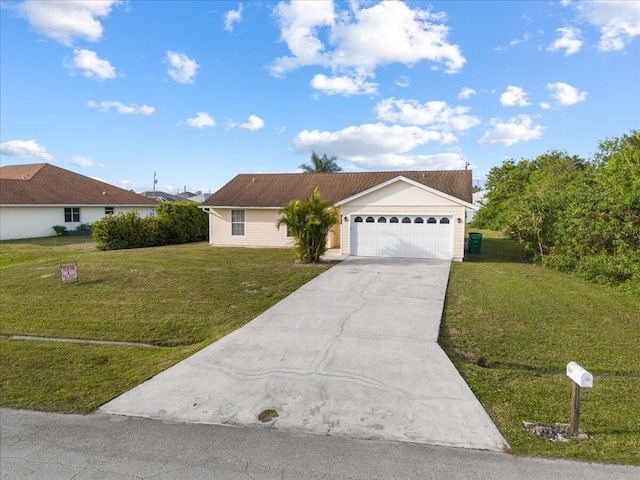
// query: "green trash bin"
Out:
[475,242]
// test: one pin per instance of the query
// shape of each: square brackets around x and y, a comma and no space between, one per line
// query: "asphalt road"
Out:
[47,446]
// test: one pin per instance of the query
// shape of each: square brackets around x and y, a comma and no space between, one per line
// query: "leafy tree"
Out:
[309,222]
[322,164]
[601,227]
[574,215]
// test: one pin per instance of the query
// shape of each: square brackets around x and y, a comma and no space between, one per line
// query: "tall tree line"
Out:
[573,214]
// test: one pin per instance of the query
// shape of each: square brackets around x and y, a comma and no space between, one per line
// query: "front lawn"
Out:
[511,327]
[174,299]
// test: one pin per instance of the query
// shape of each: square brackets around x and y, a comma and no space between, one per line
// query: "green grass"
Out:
[177,298]
[511,327]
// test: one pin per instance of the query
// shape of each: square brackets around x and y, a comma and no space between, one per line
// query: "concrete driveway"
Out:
[351,353]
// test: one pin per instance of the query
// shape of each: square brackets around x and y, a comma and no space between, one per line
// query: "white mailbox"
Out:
[579,375]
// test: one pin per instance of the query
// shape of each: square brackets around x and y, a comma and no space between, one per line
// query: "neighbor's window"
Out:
[109,210]
[72,214]
[288,232]
[237,222]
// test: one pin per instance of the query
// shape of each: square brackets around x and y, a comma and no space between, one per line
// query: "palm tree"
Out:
[309,222]
[322,164]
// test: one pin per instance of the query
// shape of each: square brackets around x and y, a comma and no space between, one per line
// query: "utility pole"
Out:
[155,180]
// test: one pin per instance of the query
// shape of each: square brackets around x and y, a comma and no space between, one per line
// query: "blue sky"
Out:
[199,91]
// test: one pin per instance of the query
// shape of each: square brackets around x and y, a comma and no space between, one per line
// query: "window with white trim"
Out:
[109,210]
[288,232]
[237,223]
[72,214]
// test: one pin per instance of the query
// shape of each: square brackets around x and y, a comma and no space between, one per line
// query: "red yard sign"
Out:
[69,272]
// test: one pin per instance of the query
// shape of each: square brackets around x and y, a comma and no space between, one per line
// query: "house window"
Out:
[288,232]
[237,223]
[109,210]
[72,214]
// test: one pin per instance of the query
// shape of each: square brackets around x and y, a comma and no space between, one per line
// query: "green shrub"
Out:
[125,230]
[181,222]
[84,227]
[60,230]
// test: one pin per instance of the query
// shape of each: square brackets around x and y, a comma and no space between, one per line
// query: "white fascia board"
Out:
[400,178]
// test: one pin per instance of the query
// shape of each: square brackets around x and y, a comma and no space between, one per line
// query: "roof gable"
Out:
[402,179]
[277,189]
[45,184]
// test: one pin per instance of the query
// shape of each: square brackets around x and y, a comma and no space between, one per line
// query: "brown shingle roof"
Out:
[277,189]
[45,184]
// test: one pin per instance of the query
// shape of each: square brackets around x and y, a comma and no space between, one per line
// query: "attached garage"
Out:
[412,214]
[409,236]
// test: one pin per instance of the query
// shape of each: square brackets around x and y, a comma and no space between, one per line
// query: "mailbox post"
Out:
[581,378]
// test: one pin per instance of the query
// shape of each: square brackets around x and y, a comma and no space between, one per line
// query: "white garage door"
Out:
[410,236]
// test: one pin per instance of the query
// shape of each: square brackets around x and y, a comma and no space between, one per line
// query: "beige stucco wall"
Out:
[37,221]
[260,229]
[403,198]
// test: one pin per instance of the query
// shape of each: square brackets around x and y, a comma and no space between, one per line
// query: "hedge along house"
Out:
[35,197]
[413,214]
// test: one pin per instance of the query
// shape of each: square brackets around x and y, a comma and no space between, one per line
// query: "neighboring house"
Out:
[416,214]
[478,201]
[34,198]
[197,197]
[162,196]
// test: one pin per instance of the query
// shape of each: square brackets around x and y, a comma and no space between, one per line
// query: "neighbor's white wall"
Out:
[37,221]
[260,229]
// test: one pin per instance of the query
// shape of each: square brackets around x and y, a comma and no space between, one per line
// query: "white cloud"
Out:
[91,65]
[368,140]
[299,22]
[569,41]
[182,69]
[391,32]
[518,129]
[403,81]
[64,20]
[618,21]
[380,147]
[254,123]
[343,85]
[355,43]
[85,162]
[565,94]
[514,97]
[25,149]
[232,16]
[438,161]
[438,114]
[201,120]
[525,38]
[121,108]
[465,93]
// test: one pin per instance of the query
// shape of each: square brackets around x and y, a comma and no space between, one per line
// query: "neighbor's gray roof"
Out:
[277,189]
[45,184]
